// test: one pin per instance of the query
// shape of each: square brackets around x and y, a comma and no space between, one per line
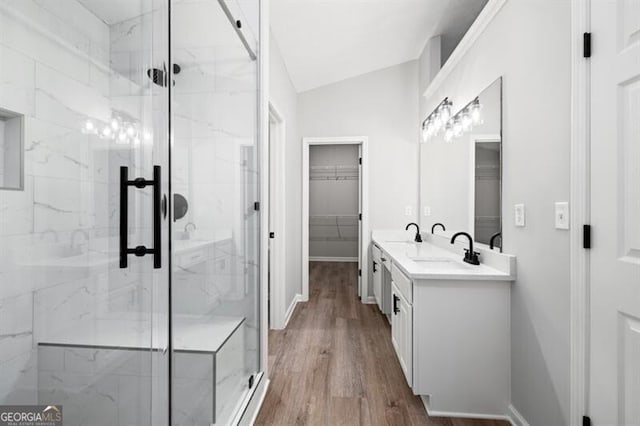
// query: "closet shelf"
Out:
[333,227]
[333,173]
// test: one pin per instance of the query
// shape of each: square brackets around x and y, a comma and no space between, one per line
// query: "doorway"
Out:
[605,209]
[334,206]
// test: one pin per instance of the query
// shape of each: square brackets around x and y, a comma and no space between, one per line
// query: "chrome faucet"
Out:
[418,237]
[470,256]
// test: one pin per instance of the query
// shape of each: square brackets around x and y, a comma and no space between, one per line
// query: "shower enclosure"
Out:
[129,222]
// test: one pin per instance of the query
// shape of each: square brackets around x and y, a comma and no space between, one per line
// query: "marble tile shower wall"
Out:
[56,68]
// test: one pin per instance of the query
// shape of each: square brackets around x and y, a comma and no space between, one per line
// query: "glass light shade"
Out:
[131,131]
[457,128]
[106,133]
[476,113]
[115,124]
[448,132]
[445,112]
[466,121]
[89,127]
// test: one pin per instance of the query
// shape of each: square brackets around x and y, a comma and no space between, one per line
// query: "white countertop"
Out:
[430,261]
[191,333]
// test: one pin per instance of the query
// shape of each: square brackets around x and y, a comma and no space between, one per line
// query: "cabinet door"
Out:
[377,282]
[406,319]
[396,336]
[402,331]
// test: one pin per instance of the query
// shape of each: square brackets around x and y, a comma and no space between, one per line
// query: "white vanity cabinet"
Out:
[402,324]
[450,324]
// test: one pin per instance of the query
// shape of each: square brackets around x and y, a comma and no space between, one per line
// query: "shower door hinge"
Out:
[359,216]
[586,236]
[251,379]
[586,45]
[586,421]
[272,234]
[360,160]
[256,206]
[359,272]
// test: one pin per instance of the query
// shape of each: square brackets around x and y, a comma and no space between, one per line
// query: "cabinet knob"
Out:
[396,299]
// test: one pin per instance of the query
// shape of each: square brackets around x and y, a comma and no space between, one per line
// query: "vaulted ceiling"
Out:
[325,41]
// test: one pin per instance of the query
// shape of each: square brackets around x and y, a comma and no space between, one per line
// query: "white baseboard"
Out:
[332,259]
[464,415]
[292,307]
[516,418]
[370,300]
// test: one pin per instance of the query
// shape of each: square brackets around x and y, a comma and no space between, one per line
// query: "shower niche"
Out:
[11,150]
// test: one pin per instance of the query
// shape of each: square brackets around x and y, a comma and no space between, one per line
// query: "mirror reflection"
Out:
[461,170]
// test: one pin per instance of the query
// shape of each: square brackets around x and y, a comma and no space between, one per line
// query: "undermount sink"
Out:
[431,259]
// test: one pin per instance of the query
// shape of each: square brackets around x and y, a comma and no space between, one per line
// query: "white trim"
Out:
[292,307]
[516,418]
[277,222]
[485,17]
[370,300]
[580,213]
[462,415]
[250,414]
[263,130]
[365,238]
[332,259]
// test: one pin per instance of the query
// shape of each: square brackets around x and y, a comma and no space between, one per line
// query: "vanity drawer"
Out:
[191,258]
[385,260]
[375,253]
[403,283]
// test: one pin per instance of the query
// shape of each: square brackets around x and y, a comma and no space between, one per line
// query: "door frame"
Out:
[277,219]
[580,212]
[363,247]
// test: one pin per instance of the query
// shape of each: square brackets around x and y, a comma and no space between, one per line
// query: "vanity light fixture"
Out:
[454,126]
[466,118]
[437,120]
[122,129]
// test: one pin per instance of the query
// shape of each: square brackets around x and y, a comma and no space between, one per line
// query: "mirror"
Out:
[461,175]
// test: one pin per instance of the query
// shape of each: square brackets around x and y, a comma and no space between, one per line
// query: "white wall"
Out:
[429,63]
[528,43]
[383,106]
[284,97]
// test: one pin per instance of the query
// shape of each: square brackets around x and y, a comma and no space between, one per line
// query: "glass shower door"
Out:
[216,220]
[83,114]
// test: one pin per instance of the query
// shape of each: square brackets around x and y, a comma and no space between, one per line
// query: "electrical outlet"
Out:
[519,215]
[408,211]
[426,211]
[562,215]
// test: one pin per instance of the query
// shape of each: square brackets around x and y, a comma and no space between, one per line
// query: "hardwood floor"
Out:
[334,363]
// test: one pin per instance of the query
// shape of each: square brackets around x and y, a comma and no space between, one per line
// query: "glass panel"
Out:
[215,179]
[75,329]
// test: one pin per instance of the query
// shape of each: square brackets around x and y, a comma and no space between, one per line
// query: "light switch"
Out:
[427,211]
[562,215]
[519,215]
[408,211]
